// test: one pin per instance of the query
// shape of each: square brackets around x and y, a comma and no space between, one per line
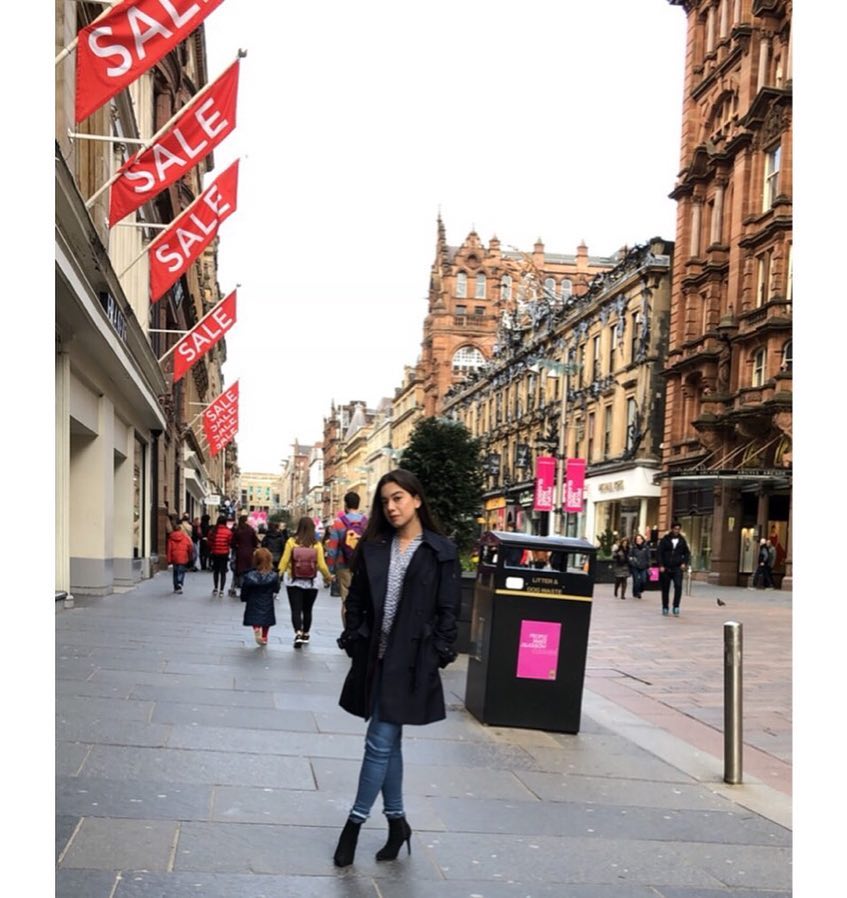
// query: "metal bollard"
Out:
[732,652]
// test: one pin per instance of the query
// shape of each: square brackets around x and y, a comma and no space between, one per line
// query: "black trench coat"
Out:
[258,591]
[422,636]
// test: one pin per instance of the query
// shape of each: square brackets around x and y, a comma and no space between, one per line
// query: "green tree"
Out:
[448,462]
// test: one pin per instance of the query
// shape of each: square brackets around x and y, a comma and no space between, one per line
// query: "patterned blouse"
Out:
[396,572]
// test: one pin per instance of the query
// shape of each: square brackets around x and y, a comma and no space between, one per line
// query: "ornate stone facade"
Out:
[727,441]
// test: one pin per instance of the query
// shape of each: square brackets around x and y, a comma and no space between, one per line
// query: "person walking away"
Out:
[639,564]
[274,542]
[196,538]
[673,557]
[345,533]
[258,589]
[400,627]
[245,541]
[620,566]
[180,551]
[220,543]
[302,559]
[205,527]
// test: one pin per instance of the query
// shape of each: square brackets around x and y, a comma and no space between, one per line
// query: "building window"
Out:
[633,336]
[787,357]
[479,291]
[631,423]
[763,279]
[614,334]
[567,287]
[607,431]
[789,285]
[479,311]
[461,313]
[582,367]
[590,453]
[505,287]
[595,370]
[468,358]
[759,368]
[771,183]
[549,288]
[461,284]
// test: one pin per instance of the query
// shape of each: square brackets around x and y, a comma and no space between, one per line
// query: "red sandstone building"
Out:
[727,451]
[471,287]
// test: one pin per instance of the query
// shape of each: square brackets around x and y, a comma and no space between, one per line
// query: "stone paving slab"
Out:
[234,716]
[266,742]
[99,690]
[85,883]
[70,757]
[299,850]
[111,732]
[626,792]
[607,821]
[210,885]
[116,844]
[139,799]
[545,859]
[179,766]
[604,763]
[477,889]
[197,696]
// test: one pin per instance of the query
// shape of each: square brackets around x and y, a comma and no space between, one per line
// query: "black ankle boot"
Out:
[346,849]
[399,832]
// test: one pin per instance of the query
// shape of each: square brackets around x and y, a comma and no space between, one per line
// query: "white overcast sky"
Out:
[358,122]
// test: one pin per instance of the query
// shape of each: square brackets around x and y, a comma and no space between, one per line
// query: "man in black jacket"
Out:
[673,556]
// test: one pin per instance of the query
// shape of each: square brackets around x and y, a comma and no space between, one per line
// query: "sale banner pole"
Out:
[163,130]
[72,45]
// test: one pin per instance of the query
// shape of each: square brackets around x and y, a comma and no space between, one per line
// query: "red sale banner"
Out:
[545,477]
[574,484]
[220,420]
[198,130]
[131,37]
[207,333]
[173,251]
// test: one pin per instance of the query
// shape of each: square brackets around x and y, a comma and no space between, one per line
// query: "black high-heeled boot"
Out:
[345,851]
[399,832]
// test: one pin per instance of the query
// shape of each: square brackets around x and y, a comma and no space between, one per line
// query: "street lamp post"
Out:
[566,369]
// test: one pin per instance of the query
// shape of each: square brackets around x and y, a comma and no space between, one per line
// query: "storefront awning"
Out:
[774,476]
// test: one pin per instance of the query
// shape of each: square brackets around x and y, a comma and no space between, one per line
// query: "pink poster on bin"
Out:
[574,484]
[545,476]
[538,651]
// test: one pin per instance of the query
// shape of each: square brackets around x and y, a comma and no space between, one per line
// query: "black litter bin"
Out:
[529,631]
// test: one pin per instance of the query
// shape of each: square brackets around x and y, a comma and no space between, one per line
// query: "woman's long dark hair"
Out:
[378,523]
[305,535]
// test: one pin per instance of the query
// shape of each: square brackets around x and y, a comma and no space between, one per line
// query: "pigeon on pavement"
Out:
[720,601]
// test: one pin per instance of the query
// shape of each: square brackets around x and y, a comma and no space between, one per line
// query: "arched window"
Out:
[468,358]
[505,287]
[787,357]
[479,291]
[461,284]
[549,288]
[758,368]
[567,287]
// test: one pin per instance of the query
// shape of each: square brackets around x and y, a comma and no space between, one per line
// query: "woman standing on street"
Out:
[258,589]
[620,566]
[639,563]
[302,559]
[220,542]
[400,626]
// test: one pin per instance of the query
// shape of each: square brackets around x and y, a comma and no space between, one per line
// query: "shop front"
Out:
[623,503]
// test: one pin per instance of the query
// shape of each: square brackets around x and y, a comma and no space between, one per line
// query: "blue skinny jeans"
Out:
[382,768]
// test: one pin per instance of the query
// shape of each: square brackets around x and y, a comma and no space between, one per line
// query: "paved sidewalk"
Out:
[192,762]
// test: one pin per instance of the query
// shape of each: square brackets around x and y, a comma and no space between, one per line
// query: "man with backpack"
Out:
[347,529]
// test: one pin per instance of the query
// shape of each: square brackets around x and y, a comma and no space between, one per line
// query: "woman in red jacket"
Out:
[220,542]
[180,555]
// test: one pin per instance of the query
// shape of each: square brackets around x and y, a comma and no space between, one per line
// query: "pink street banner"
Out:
[545,477]
[220,420]
[574,484]
[538,650]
